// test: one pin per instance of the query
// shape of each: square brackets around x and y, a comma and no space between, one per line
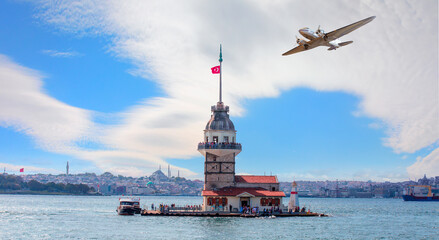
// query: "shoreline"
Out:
[19,192]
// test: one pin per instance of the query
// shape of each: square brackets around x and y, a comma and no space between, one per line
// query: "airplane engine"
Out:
[319,31]
[300,41]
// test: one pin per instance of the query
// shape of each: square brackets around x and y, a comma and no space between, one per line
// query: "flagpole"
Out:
[221,71]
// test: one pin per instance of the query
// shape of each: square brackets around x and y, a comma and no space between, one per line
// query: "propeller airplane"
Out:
[320,38]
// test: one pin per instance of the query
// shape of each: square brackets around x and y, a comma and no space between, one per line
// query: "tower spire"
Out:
[221,72]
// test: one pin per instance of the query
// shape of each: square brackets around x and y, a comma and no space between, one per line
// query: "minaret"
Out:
[169,171]
[294,198]
[67,168]
[219,146]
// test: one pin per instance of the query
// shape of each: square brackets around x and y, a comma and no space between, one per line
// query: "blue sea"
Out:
[95,217]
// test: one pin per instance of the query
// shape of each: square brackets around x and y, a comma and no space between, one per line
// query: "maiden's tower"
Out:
[226,194]
[223,189]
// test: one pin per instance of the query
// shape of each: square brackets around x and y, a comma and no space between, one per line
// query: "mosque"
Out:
[223,189]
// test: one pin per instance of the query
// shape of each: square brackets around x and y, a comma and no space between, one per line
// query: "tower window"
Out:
[233,139]
[215,139]
[226,139]
[207,139]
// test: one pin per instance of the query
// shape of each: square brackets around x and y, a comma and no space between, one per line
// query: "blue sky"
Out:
[128,88]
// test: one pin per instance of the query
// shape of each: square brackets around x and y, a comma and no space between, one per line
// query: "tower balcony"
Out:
[219,149]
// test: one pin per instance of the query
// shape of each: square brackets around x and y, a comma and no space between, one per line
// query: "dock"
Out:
[227,214]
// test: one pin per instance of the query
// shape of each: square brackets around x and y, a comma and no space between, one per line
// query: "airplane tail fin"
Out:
[345,43]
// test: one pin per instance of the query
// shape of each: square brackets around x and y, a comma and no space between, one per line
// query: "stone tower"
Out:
[219,146]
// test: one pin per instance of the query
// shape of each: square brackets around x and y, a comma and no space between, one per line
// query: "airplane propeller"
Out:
[318,30]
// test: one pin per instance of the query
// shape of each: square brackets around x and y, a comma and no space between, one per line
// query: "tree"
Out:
[36,186]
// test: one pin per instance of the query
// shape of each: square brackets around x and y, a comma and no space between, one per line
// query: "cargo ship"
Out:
[421,193]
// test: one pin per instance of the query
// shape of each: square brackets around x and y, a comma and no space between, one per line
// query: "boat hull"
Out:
[420,198]
[125,211]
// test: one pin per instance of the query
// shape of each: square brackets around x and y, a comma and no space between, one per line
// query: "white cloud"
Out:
[392,65]
[61,128]
[62,54]
[25,107]
[426,165]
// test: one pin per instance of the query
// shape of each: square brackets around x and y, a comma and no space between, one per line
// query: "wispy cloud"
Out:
[176,44]
[61,54]
[25,107]
[426,165]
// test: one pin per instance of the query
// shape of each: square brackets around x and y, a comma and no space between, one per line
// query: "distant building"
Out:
[158,176]
[424,180]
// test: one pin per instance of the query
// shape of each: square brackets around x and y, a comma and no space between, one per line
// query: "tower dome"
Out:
[220,119]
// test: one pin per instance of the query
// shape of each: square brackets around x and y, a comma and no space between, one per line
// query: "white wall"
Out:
[236,203]
[220,134]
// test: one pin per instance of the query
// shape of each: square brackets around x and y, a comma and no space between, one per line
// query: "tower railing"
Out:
[222,145]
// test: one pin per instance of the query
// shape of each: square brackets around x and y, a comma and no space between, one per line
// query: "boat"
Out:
[421,193]
[128,206]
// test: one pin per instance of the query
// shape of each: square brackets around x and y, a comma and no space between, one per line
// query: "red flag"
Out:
[21,169]
[216,70]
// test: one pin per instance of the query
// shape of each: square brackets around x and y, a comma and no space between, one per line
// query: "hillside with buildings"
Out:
[160,184]
[108,184]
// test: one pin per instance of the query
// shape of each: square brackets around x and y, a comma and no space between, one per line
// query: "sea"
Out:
[95,217]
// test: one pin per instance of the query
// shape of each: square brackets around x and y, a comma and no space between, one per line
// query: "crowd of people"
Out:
[245,209]
[173,207]
[297,209]
[222,145]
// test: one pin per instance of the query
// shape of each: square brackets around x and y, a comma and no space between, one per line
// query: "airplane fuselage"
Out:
[311,35]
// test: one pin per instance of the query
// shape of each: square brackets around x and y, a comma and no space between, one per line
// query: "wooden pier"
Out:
[227,214]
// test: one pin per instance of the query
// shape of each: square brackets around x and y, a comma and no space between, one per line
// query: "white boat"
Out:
[128,206]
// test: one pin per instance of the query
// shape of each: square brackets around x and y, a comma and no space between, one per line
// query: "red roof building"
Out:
[255,179]
[235,191]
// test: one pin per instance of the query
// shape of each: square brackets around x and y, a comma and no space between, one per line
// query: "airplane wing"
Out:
[297,49]
[349,28]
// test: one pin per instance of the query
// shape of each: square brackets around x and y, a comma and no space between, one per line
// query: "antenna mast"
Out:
[221,72]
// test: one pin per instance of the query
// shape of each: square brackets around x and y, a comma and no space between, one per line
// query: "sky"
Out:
[126,87]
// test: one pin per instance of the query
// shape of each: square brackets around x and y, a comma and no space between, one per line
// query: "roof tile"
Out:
[255,179]
[233,191]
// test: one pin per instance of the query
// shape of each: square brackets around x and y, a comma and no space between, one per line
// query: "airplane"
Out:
[320,38]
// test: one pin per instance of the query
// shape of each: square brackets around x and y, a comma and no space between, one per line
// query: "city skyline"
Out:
[126,88]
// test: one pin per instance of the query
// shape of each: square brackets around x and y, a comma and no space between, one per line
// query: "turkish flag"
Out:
[21,169]
[216,70]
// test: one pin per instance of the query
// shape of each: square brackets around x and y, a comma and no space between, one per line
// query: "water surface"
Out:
[94,217]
